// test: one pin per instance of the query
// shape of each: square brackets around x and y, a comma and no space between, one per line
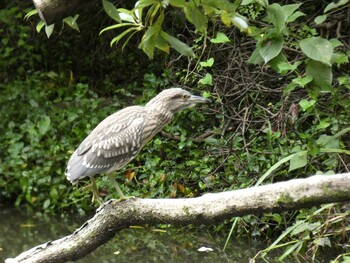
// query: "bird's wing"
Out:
[113,143]
[117,123]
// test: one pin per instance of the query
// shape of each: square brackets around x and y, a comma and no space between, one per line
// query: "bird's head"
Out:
[175,99]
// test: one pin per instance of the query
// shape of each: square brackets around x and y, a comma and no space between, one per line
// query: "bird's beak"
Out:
[197,99]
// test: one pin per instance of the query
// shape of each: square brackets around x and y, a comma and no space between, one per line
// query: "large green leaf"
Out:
[255,57]
[111,10]
[177,3]
[178,45]
[322,75]
[326,141]
[149,39]
[288,10]
[270,48]
[317,48]
[196,17]
[276,16]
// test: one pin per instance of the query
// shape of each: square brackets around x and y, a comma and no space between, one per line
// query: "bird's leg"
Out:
[95,196]
[114,182]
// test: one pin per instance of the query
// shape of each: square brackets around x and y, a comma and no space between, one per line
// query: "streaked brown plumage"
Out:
[119,138]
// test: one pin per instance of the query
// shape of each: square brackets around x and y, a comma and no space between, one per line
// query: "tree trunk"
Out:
[207,209]
[51,11]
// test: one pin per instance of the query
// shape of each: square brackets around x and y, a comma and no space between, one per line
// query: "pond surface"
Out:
[21,230]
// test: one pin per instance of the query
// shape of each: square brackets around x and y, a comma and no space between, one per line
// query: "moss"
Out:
[285,199]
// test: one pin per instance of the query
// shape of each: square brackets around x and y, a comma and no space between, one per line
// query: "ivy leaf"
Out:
[206,80]
[306,104]
[317,48]
[298,161]
[208,63]
[44,125]
[220,38]
[302,81]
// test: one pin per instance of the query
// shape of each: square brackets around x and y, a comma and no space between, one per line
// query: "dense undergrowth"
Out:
[54,91]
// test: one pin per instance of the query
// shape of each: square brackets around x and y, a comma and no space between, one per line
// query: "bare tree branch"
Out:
[207,209]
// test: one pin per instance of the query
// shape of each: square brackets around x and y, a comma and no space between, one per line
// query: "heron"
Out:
[119,138]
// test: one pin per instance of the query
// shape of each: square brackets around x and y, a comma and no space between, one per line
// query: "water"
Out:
[21,230]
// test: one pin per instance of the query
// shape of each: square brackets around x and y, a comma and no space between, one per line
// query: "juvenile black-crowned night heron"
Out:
[119,138]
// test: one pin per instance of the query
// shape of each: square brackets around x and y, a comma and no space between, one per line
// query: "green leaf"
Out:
[208,63]
[15,148]
[298,161]
[336,42]
[177,3]
[39,26]
[49,30]
[44,125]
[281,65]
[289,88]
[320,19]
[111,10]
[72,22]
[321,73]
[323,125]
[307,104]
[206,80]
[206,94]
[302,81]
[271,48]
[288,11]
[220,38]
[317,48]
[276,16]
[120,36]
[178,45]
[295,16]
[148,42]
[326,141]
[255,57]
[333,5]
[30,13]
[118,26]
[196,17]
[46,204]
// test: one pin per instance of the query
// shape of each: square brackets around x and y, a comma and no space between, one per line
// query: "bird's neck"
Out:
[160,115]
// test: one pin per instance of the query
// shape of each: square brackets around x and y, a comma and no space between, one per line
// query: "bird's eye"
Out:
[185,97]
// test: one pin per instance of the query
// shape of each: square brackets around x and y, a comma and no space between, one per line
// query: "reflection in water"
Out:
[21,230]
